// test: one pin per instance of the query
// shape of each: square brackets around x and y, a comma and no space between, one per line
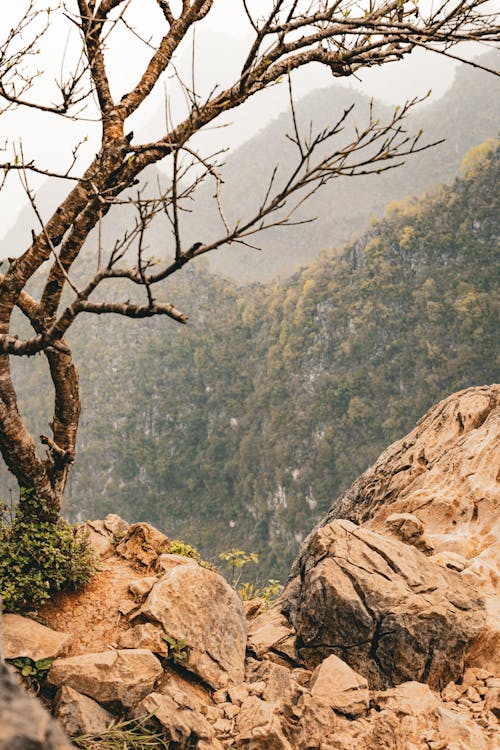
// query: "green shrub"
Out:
[178,547]
[39,558]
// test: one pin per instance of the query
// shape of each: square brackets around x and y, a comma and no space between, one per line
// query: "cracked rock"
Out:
[198,606]
[382,606]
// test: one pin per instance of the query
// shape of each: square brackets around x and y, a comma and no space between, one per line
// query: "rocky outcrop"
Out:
[382,606]
[385,638]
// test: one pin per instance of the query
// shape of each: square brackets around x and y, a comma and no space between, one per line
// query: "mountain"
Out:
[467,114]
[239,429]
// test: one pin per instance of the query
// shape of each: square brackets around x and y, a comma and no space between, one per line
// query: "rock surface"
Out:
[79,714]
[23,636]
[382,606]
[125,676]
[198,606]
[385,638]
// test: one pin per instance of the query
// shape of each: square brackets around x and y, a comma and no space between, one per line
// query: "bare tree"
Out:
[342,35]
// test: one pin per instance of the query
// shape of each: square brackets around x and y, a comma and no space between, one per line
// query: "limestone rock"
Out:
[125,676]
[382,606]
[271,630]
[79,714]
[197,605]
[410,698]
[144,635]
[140,587]
[177,713]
[343,689]
[115,525]
[142,543]
[25,724]
[99,538]
[166,562]
[259,728]
[23,636]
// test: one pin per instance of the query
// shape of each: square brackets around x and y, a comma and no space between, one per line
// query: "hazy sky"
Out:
[220,45]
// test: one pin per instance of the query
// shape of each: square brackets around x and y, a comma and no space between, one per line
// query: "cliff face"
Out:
[386,636]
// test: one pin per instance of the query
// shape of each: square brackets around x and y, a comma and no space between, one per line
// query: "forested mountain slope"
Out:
[467,114]
[241,428]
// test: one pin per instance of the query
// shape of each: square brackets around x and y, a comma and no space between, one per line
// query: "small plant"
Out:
[38,557]
[134,734]
[178,547]
[177,649]
[268,593]
[32,672]
[237,559]
[117,537]
[271,591]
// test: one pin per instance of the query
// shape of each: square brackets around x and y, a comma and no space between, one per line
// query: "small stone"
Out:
[340,687]
[126,675]
[493,682]
[438,744]
[220,696]
[238,693]
[23,636]
[450,692]
[465,702]
[223,726]
[469,677]
[126,606]
[257,688]
[140,587]
[80,715]
[473,695]
[230,709]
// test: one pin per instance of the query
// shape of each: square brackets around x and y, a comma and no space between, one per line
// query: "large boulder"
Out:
[199,607]
[382,606]
[125,676]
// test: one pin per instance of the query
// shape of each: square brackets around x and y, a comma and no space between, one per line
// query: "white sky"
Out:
[220,42]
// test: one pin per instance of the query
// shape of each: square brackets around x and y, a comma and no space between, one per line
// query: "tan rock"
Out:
[485,650]
[126,676]
[115,525]
[142,543]
[410,698]
[99,538]
[145,635]
[396,615]
[177,714]
[199,606]
[269,630]
[22,636]
[238,694]
[79,714]
[166,562]
[405,525]
[258,728]
[340,687]
[141,587]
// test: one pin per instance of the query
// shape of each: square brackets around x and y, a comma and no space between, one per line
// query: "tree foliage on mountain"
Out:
[242,428]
